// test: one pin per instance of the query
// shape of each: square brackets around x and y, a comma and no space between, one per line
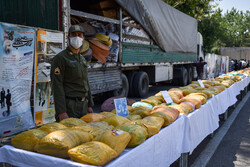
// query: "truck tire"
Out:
[125,87]
[131,76]
[140,84]
[190,74]
[184,77]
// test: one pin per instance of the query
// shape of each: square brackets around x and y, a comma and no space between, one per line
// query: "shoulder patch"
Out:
[57,71]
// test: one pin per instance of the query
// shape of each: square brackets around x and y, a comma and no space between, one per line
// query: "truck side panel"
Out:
[139,53]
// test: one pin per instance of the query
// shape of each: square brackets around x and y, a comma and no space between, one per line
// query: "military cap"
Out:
[76,28]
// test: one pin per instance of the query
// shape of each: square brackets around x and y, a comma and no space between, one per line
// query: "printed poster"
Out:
[16,68]
[48,45]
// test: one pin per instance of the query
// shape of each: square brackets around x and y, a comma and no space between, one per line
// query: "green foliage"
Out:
[195,8]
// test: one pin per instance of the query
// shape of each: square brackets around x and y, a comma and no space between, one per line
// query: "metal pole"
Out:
[226,115]
[120,39]
[183,160]
[66,19]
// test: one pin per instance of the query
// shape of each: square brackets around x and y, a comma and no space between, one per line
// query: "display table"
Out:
[150,153]
[18,157]
[162,149]
[201,123]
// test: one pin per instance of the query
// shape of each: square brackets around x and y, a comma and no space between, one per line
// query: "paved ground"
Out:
[234,150]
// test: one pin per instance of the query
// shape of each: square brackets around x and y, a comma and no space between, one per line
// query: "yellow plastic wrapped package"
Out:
[102,125]
[28,139]
[70,122]
[170,111]
[134,117]
[96,132]
[198,97]
[209,94]
[58,143]
[153,124]
[116,120]
[180,108]
[116,139]
[51,127]
[153,100]
[188,91]
[167,118]
[92,153]
[196,102]
[199,93]
[107,114]
[141,110]
[138,133]
[188,106]
[91,117]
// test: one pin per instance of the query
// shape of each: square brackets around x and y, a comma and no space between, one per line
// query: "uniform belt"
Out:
[76,98]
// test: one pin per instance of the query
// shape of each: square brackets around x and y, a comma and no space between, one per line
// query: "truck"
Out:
[152,41]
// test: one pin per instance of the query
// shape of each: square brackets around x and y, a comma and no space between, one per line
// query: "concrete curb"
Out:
[210,149]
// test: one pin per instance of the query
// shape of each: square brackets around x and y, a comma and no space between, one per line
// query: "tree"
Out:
[236,25]
[195,8]
[212,31]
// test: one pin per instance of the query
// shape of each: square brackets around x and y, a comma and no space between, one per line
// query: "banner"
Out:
[16,67]
[48,45]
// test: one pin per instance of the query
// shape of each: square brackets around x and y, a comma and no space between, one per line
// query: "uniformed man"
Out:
[69,77]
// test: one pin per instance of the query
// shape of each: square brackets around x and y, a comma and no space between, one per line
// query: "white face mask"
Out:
[76,42]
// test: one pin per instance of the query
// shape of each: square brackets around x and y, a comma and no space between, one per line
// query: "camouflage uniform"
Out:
[70,86]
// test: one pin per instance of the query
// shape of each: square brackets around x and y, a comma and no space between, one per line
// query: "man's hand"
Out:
[90,110]
[63,115]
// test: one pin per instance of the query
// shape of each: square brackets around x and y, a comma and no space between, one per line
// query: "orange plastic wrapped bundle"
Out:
[27,140]
[116,120]
[196,102]
[207,85]
[180,108]
[167,113]
[141,110]
[51,127]
[174,94]
[138,133]
[93,117]
[58,143]
[116,139]
[174,97]
[199,93]
[177,91]
[92,153]
[200,98]
[189,106]
[70,122]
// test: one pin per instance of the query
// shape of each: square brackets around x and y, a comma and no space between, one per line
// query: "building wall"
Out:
[236,52]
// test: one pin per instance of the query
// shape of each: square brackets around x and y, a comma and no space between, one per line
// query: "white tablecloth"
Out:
[22,158]
[162,149]
[201,123]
